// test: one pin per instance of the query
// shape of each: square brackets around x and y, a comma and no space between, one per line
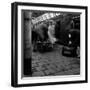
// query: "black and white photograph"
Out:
[49,44]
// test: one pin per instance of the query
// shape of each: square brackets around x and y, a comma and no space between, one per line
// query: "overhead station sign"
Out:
[44,17]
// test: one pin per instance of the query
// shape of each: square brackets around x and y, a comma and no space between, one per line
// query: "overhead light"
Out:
[69,35]
[70,42]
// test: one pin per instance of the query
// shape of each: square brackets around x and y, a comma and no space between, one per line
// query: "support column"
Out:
[27,43]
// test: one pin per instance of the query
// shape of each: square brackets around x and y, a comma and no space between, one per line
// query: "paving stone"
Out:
[69,72]
[34,69]
[47,72]
[40,63]
[38,68]
[53,63]
[39,73]
[35,65]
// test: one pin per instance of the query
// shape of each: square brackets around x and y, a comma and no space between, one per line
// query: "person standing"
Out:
[51,32]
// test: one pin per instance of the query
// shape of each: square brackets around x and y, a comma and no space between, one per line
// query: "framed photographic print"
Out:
[49,44]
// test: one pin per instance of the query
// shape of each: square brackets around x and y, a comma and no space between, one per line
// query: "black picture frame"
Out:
[14,43]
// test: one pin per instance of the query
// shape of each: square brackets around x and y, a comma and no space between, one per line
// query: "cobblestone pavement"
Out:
[54,63]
